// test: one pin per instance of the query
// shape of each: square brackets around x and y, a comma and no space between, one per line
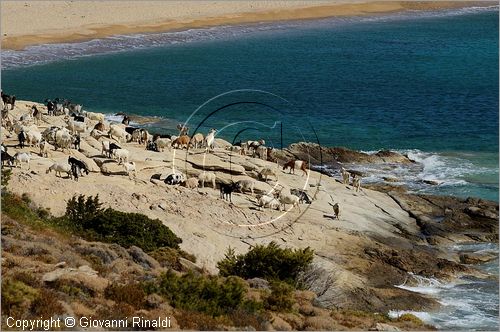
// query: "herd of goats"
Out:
[79,122]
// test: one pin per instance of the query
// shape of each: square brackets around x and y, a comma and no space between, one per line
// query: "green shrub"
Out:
[6,174]
[167,257]
[85,216]
[209,294]
[16,297]
[79,210]
[132,294]
[281,297]
[269,262]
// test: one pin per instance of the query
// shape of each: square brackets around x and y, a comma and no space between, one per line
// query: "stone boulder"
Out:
[90,163]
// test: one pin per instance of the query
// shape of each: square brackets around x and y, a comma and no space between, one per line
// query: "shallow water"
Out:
[468,303]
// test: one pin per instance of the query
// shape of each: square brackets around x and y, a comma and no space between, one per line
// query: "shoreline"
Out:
[393,235]
[121,25]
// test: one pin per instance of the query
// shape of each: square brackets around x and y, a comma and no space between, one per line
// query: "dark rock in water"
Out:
[478,257]
[336,156]
[472,218]
[390,179]
[431,182]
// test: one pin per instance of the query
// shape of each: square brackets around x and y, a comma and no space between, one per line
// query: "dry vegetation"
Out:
[71,266]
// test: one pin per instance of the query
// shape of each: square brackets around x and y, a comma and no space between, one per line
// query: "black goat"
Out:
[22,138]
[80,164]
[7,158]
[227,189]
[8,100]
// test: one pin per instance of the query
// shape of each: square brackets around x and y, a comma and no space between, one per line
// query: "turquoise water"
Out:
[424,83]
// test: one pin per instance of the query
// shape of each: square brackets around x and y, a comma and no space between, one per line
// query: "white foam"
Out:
[424,316]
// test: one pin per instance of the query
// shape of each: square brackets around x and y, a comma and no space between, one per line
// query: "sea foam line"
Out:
[45,53]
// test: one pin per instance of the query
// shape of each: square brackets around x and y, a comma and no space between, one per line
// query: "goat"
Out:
[242,185]
[285,198]
[59,168]
[226,190]
[336,210]
[261,152]
[302,195]
[8,100]
[208,177]
[191,183]
[345,176]
[75,126]
[119,133]
[121,155]
[293,164]
[33,137]
[6,157]
[76,141]
[22,157]
[266,172]
[268,201]
[174,178]
[21,137]
[183,130]
[80,164]
[210,140]
[356,182]
[197,141]
[51,106]
[36,114]
[129,168]
[95,116]
[181,141]
[75,170]
[152,146]
[100,126]
[162,143]
[45,148]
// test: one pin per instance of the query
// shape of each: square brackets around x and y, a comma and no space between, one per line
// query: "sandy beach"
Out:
[26,23]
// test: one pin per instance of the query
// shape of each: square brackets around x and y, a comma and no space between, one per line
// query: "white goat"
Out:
[285,198]
[95,116]
[130,168]
[60,168]
[22,157]
[207,177]
[191,183]
[121,155]
[268,201]
[266,172]
[345,176]
[45,148]
[119,133]
[210,139]
[162,143]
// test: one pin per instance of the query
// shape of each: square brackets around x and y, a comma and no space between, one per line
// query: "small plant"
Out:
[281,297]
[212,295]
[16,297]
[269,262]
[132,294]
[46,304]
[6,174]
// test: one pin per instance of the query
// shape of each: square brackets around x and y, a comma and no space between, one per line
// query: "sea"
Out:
[423,83]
